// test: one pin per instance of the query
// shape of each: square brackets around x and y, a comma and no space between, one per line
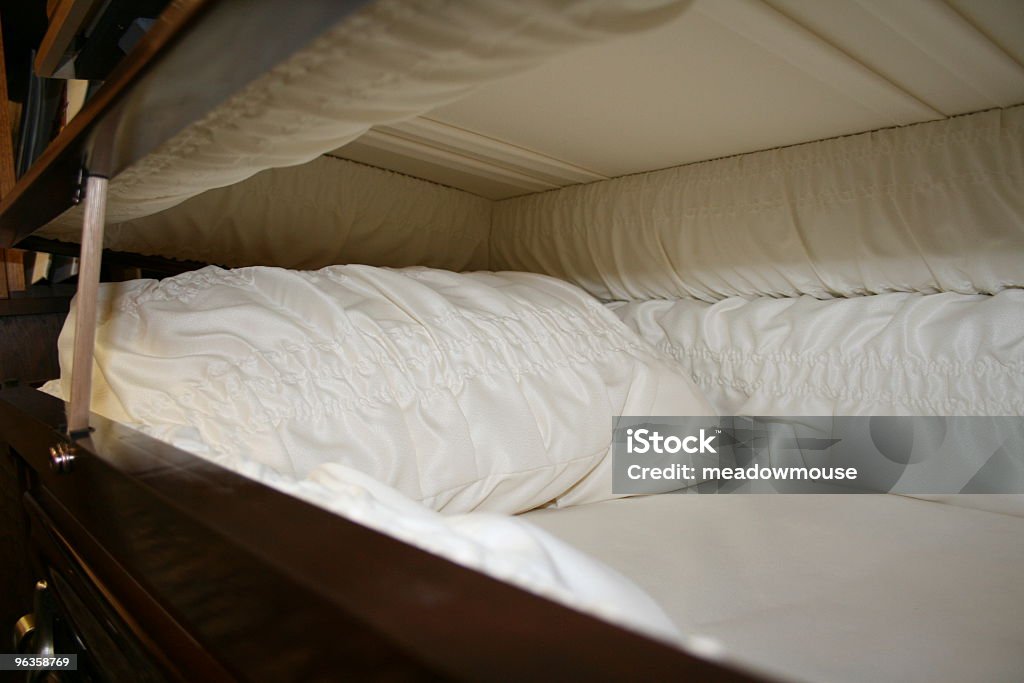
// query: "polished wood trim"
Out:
[66,21]
[85,314]
[275,588]
[14,264]
[151,264]
[28,344]
[50,185]
[34,305]
[181,658]
[197,55]
[7,173]
[8,176]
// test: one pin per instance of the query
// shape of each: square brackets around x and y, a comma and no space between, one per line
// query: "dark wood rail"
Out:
[217,575]
[198,54]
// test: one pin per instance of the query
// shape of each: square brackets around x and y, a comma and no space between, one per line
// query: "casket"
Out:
[363,285]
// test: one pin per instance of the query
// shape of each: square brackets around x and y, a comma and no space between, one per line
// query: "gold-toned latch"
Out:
[23,630]
[62,456]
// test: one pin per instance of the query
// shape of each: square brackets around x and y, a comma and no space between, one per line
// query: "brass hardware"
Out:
[33,633]
[62,456]
[23,630]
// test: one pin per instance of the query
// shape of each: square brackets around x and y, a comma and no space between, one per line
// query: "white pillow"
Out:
[887,354]
[471,391]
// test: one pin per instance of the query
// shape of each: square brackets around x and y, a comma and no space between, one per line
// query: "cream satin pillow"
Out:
[886,354]
[470,391]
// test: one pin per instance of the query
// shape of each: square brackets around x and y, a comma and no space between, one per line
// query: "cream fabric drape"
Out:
[925,208]
[889,354]
[837,588]
[325,212]
[391,61]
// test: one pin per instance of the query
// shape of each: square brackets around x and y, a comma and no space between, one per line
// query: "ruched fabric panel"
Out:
[890,354]
[318,214]
[481,391]
[926,208]
[390,61]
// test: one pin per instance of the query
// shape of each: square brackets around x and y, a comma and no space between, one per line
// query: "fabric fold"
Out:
[889,354]
[926,208]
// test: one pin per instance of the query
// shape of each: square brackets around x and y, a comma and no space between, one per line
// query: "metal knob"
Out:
[23,630]
[62,456]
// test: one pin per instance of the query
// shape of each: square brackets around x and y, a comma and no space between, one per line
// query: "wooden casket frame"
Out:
[162,565]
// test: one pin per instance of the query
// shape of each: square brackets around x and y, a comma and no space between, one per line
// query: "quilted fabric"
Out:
[491,391]
[889,354]
[391,61]
[934,207]
[324,212]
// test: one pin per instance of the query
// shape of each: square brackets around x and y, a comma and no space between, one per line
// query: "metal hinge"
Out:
[62,457]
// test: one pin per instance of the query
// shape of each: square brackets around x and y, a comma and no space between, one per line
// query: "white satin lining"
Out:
[889,354]
[926,208]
